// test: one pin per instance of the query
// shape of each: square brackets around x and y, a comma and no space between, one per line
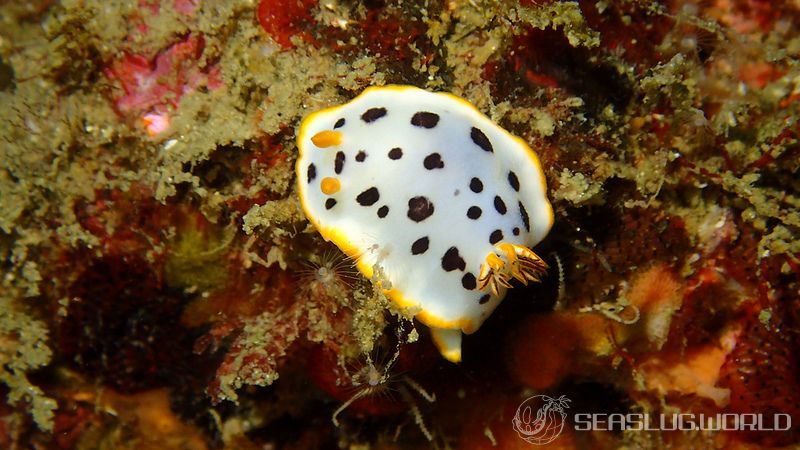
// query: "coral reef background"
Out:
[162,289]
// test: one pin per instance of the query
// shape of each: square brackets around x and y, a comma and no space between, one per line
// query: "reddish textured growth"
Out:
[758,74]
[544,59]
[121,324]
[69,425]
[265,325]
[630,29]
[764,378]
[124,222]
[256,354]
[283,19]
[391,35]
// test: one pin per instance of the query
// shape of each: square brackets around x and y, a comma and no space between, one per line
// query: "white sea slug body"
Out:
[423,185]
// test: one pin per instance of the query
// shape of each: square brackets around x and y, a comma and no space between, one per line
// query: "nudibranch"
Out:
[423,185]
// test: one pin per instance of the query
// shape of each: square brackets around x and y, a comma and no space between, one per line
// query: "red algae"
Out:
[108,328]
[284,19]
[635,31]
[391,35]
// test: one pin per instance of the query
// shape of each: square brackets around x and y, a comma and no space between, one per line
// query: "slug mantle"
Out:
[424,185]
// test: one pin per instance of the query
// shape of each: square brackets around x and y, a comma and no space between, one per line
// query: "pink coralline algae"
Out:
[151,87]
[186,7]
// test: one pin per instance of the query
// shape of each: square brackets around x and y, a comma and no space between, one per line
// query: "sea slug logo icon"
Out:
[543,425]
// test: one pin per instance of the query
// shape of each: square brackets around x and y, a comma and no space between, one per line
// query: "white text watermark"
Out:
[683,422]
[540,419]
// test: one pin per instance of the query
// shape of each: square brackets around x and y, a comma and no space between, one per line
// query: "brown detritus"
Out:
[145,420]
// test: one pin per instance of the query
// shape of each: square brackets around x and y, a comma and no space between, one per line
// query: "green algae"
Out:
[23,348]
[271,215]
[577,188]
[566,16]
[196,258]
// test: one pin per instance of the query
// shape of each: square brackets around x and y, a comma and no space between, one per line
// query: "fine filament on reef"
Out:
[332,271]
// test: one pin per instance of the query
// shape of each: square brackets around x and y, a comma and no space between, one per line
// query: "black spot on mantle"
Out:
[513,180]
[481,140]
[419,208]
[452,260]
[368,197]
[373,114]
[433,161]
[468,281]
[338,163]
[311,172]
[474,212]
[425,119]
[420,246]
[499,204]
